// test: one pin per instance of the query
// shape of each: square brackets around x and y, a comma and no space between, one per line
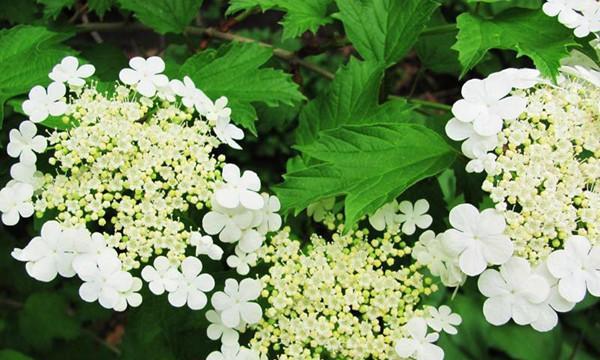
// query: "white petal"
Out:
[491,284]
[251,313]
[196,300]
[572,288]
[249,289]
[472,261]
[228,197]
[510,107]
[497,310]
[251,200]
[191,266]
[129,76]
[230,317]
[463,217]
[178,298]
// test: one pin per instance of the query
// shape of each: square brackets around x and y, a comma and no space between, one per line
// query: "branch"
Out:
[211,32]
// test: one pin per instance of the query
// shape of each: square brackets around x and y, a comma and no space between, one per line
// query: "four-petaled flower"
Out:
[513,292]
[413,216]
[162,276]
[145,74]
[228,223]
[485,104]
[205,246]
[267,219]
[216,330]
[42,102]
[242,261]
[577,267]
[69,71]
[419,344]
[192,285]
[386,216]
[443,319]
[475,145]
[191,96]
[239,189]
[235,303]
[478,238]
[24,143]
[15,202]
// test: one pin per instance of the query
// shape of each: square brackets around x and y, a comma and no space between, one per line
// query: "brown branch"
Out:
[214,33]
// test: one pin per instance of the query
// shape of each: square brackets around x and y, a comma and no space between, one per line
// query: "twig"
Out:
[211,32]
[102,342]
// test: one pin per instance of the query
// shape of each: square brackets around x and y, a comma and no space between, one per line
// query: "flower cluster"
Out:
[583,16]
[353,295]
[538,144]
[133,170]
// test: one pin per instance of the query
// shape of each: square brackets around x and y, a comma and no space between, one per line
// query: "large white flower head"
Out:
[139,166]
[349,293]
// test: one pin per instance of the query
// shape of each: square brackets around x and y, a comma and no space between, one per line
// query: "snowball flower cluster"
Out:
[581,15]
[136,165]
[349,295]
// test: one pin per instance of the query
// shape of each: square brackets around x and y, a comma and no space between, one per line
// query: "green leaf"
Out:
[528,32]
[235,71]
[301,16]
[164,16]
[8,354]
[44,318]
[370,164]
[100,7]
[434,50]
[239,5]
[108,60]
[352,96]
[384,30]
[53,8]
[21,44]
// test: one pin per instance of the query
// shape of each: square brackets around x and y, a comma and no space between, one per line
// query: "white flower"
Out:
[15,202]
[419,345]
[485,162]
[577,267]
[242,261]
[443,319]
[130,297]
[192,285]
[239,189]
[42,103]
[228,223]
[23,172]
[548,318]
[104,279]
[562,8]
[48,254]
[145,74]
[521,78]
[319,209]
[216,330]
[162,276]
[478,238]
[228,133]
[267,219]
[431,251]
[513,292]
[205,246]
[70,72]
[88,247]
[191,96]
[589,20]
[235,303]
[475,145]
[486,105]
[24,143]
[251,241]
[233,352]
[386,216]
[413,216]
[218,110]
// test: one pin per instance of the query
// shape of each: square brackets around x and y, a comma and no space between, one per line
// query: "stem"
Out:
[211,32]
[431,104]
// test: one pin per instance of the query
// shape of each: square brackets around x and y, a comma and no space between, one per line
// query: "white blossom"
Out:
[145,74]
[24,143]
[513,292]
[419,344]
[577,267]
[242,261]
[443,319]
[129,297]
[239,189]
[49,254]
[385,217]
[69,71]
[478,238]
[554,302]
[413,216]
[475,145]
[162,276]
[191,96]
[235,302]
[486,104]
[431,251]
[16,202]
[42,102]
[267,219]
[216,330]
[192,285]
[205,246]
[319,209]
[228,223]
